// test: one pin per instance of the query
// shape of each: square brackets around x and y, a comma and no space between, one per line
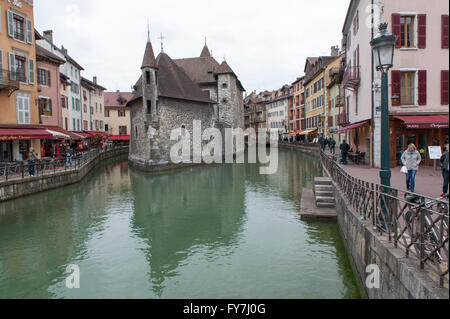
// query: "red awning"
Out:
[85,135]
[11,134]
[424,121]
[99,133]
[58,129]
[295,133]
[119,138]
[345,129]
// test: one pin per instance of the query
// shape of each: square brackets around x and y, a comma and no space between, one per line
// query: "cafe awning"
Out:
[345,129]
[13,134]
[308,132]
[119,138]
[104,134]
[61,133]
[424,121]
[295,133]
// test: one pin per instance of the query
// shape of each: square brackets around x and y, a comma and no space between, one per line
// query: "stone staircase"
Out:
[323,191]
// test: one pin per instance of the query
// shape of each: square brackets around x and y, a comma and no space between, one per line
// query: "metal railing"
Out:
[417,224]
[44,167]
[352,77]
[9,79]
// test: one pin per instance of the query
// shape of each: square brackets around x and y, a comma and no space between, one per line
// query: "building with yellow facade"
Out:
[19,112]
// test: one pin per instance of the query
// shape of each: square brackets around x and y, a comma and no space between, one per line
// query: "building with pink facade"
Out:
[48,87]
[418,81]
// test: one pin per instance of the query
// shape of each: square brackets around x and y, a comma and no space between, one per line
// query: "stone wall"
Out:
[173,114]
[400,277]
[231,101]
[31,185]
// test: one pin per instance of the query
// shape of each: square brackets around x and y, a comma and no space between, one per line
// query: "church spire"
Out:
[205,51]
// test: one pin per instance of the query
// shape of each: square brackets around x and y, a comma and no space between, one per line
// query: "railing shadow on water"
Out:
[46,167]
[417,224]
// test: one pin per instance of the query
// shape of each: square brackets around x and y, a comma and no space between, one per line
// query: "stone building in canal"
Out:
[172,94]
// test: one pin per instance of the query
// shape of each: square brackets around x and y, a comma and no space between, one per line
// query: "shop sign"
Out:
[435,152]
[424,126]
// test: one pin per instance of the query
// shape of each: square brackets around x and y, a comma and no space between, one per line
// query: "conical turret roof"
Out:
[149,57]
[205,52]
[224,68]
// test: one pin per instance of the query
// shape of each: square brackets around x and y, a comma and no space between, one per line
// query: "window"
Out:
[106,113]
[74,126]
[85,125]
[121,113]
[123,130]
[23,109]
[408,88]
[91,109]
[66,123]
[147,77]
[64,101]
[78,125]
[73,104]
[149,107]
[96,107]
[84,108]
[43,77]
[224,85]
[407,32]
[78,108]
[45,106]
[20,68]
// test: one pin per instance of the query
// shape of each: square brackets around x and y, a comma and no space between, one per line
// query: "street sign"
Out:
[435,152]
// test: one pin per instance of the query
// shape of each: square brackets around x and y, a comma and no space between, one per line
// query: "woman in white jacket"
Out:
[411,158]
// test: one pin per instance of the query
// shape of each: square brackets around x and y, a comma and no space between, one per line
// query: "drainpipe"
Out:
[372,147]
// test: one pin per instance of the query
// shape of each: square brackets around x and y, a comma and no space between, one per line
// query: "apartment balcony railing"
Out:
[352,77]
[342,119]
[10,80]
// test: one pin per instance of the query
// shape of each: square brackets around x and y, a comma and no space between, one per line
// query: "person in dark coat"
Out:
[345,148]
[322,142]
[445,170]
[332,144]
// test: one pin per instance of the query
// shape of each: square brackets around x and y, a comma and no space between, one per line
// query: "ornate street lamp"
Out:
[383,45]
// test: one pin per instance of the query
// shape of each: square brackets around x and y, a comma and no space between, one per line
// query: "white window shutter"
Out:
[0,20]
[31,73]
[10,17]
[12,66]
[29,31]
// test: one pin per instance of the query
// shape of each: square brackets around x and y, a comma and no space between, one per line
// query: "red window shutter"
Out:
[396,27]
[396,82]
[444,33]
[422,31]
[444,87]
[422,87]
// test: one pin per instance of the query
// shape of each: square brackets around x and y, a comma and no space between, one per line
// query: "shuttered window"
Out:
[444,87]
[422,79]
[444,32]
[396,87]
[31,72]
[422,31]
[12,66]
[396,29]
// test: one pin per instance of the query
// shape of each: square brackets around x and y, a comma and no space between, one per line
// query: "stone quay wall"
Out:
[400,277]
[22,187]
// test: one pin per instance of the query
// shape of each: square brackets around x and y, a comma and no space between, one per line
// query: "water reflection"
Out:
[177,212]
[221,231]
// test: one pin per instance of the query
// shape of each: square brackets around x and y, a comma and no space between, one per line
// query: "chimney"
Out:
[335,50]
[49,35]
[94,79]
[64,51]
[117,91]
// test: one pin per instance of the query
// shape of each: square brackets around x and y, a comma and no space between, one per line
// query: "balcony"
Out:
[10,81]
[342,119]
[352,77]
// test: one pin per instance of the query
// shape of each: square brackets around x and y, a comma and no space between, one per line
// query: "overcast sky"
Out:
[265,41]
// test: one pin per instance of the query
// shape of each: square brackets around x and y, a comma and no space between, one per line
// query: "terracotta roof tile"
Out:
[205,52]
[112,98]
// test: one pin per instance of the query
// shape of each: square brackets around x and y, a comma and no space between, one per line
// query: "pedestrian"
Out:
[321,142]
[345,148]
[411,158]
[332,144]
[68,157]
[445,170]
[32,157]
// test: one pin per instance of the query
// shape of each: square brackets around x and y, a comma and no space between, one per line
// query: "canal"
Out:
[218,231]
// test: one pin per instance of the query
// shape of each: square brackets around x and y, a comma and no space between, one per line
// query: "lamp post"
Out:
[383,45]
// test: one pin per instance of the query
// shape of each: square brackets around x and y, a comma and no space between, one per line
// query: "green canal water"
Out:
[219,231]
